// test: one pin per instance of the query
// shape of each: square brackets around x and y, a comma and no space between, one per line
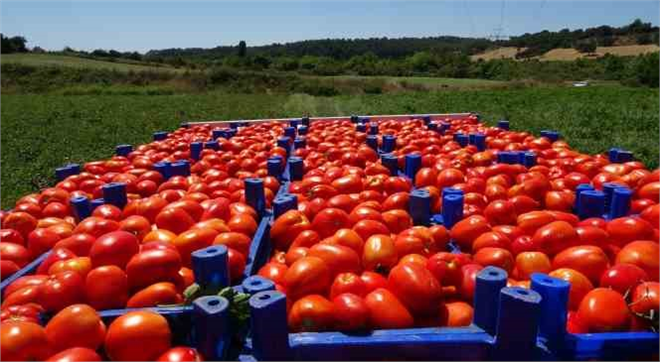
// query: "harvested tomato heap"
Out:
[138,255]
[349,257]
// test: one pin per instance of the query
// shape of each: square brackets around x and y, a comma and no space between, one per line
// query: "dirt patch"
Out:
[499,53]
[569,54]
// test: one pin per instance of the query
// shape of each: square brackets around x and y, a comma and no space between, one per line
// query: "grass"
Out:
[43,131]
[431,82]
[36,60]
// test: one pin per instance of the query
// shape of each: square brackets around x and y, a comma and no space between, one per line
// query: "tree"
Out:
[588,46]
[15,44]
[242,49]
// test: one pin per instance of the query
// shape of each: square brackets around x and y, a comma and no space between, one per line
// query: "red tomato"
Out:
[81,265]
[529,262]
[308,275]
[154,295]
[652,215]
[574,324]
[501,212]
[467,284]
[41,240]
[498,257]
[646,298]
[7,268]
[139,335]
[274,272]
[61,290]
[329,220]
[386,311]
[26,312]
[107,211]
[533,220]
[114,248]
[242,223]
[467,230]
[350,239]
[367,228]
[152,266]
[106,287]
[312,313]
[176,220]
[17,253]
[192,240]
[180,354]
[379,253]
[237,241]
[20,221]
[75,354]
[415,287]
[492,239]
[23,341]
[587,259]
[626,229]
[307,239]
[623,277]
[96,226]
[644,254]
[79,244]
[236,264]
[555,237]
[604,310]
[348,283]
[340,259]
[57,254]
[372,281]
[459,314]
[78,325]
[287,227]
[136,225]
[351,312]
[580,285]
[11,236]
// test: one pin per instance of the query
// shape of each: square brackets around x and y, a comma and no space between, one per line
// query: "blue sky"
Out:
[152,24]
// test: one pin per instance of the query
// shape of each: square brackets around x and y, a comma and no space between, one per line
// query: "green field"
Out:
[37,60]
[428,82]
[42,132]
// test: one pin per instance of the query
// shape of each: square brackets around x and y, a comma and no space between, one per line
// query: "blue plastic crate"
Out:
[506,329]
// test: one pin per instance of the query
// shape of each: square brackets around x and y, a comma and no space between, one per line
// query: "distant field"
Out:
[431,82]
[77,62]
[42,132]
[569,54]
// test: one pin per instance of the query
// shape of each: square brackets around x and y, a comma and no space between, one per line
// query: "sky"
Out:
[157,24]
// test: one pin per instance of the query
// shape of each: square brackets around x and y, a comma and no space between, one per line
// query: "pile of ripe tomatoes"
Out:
[130,257]
[350,258]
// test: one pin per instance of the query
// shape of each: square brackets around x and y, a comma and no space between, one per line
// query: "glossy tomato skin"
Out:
[151,266]
[311,313]
[646,298]
[379,253]
[626,229]
[154,295]
[351,312]
[467,230]
[61,290]
[329,220]
[139,336]
[498,257]
[180,354]
[106,287]
[415,287]
[373,281]
[604,310]
[529,262]
[191,240]
[308,275]
[114,248]
[466,288]
[459,314]
[623,277]
[78,325]
[274,272]
[386,311]
[75,354]
[26,312]
[340,259]
[580,285]
[588,259]
[643,253]
[287,227]
[555,237]
[23,341]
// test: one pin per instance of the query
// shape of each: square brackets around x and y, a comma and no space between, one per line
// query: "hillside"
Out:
[569,54]
[37,59]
